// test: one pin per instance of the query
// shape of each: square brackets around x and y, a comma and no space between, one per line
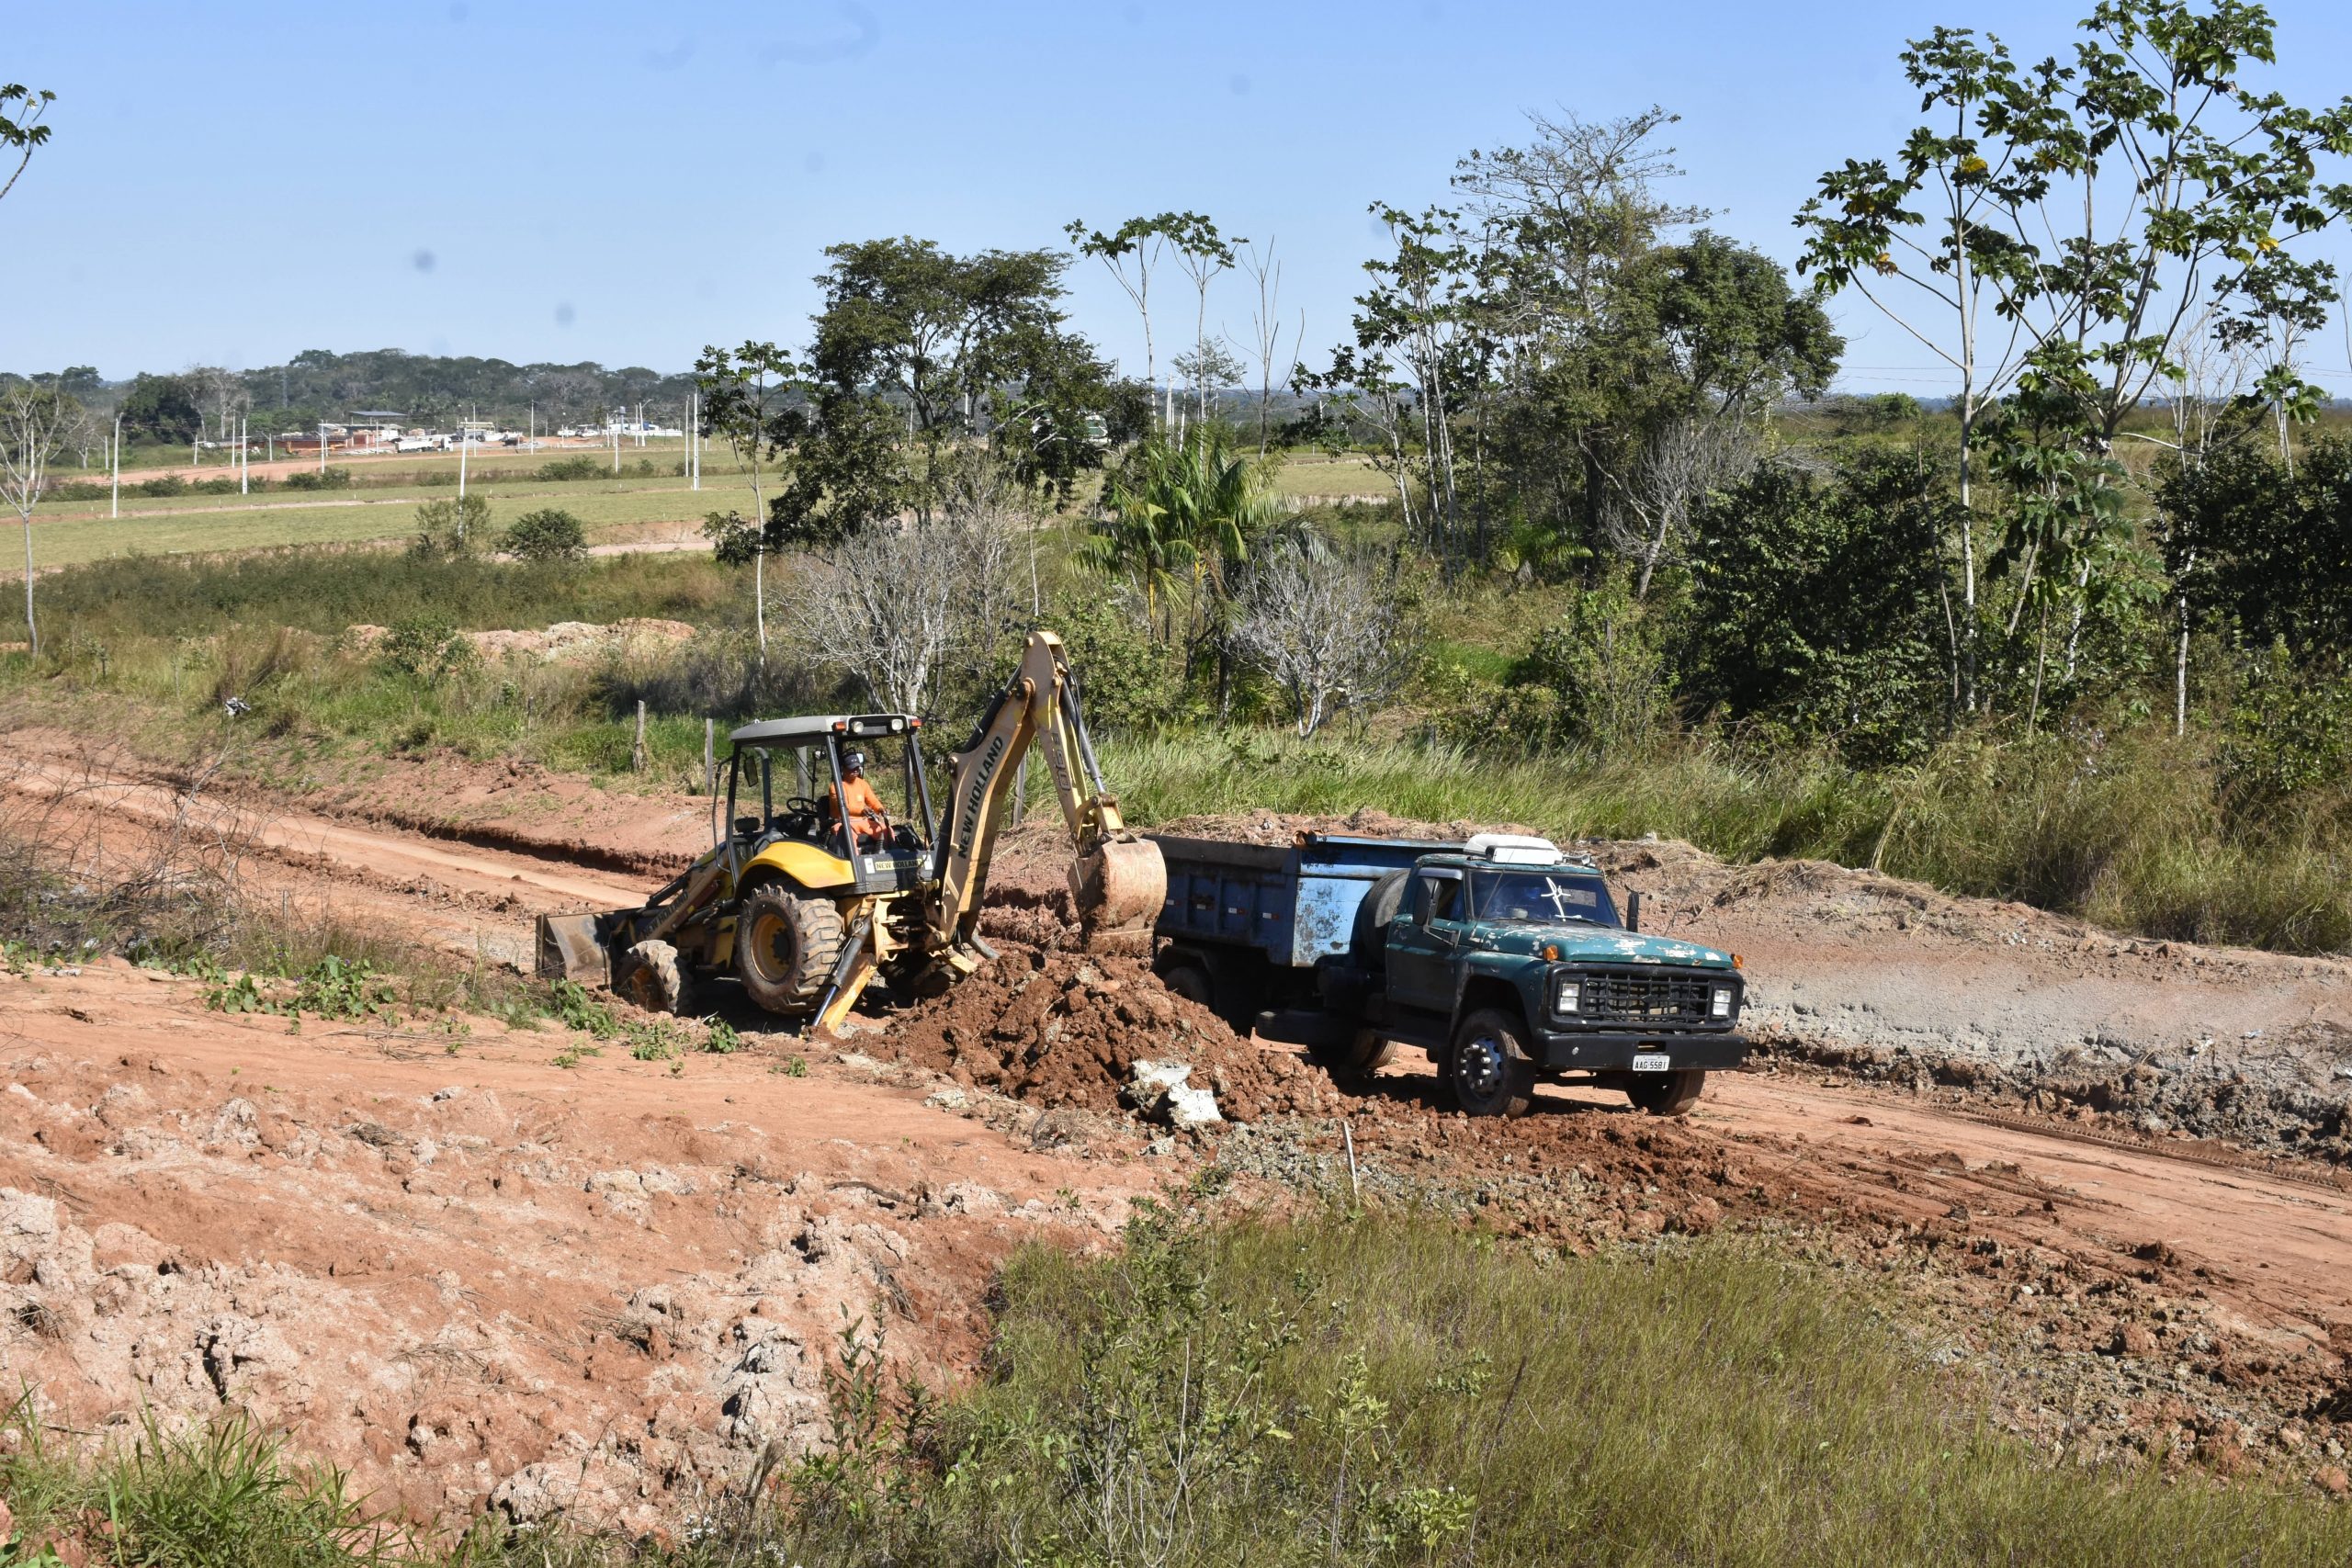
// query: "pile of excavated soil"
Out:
[1064,1029]
[563,640]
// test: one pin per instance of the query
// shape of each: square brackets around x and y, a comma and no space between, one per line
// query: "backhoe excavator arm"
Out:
[1117,879]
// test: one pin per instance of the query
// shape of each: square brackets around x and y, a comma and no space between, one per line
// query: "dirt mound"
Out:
[1064,1029]
[565,640]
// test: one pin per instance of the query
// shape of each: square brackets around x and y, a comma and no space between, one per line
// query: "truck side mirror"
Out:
[1633,911]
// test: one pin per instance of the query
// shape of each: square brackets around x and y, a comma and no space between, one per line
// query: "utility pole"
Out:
[616,424]
[118,465]
[694,441]
[323,447]
[462,444]
[244,460]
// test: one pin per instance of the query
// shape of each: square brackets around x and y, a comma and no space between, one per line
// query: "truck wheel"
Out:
[1368,1051]
[1667,1094]
[652,977]
[1187,979]
[785,945]
[1487,1070]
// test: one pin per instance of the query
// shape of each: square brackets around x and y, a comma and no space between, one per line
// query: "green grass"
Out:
[217,523]
[1386,1388]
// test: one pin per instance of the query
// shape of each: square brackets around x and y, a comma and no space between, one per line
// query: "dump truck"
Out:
[1504,958]
[805,905]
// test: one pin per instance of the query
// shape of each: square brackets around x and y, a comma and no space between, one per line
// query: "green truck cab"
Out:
[1509,961]
[1504,959]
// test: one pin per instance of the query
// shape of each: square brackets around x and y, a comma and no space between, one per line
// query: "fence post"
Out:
[709,761]
[636,750]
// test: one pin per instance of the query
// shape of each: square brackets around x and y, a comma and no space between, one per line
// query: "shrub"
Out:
[453,525]
[164,484]
[76,490]
[220,485]
[330,479]
[549,534]
[427,647]
[579,467]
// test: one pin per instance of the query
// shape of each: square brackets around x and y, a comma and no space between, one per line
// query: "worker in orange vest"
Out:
[864,808]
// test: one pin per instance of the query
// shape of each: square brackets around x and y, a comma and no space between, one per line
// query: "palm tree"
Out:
[1195,501]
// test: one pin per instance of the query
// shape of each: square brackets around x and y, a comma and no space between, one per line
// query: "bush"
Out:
[547,535]
[453,525]
[312,479]
[221,485]
[427,647]
[579,467]
[164,484]
[76,490]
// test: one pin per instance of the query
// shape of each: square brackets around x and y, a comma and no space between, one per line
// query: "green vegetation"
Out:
[1358,1387]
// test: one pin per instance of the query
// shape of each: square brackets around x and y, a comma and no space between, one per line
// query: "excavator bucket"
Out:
[1120,885]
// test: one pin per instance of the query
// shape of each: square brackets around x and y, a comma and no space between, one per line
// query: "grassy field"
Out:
[628,508]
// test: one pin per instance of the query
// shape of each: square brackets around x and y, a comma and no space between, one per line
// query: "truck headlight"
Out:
[1566,995]
[1722,1008]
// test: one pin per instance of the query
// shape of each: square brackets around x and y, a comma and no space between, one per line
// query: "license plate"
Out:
[1653,1062]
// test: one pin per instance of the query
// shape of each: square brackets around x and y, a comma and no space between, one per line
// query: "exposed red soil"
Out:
[474,1277]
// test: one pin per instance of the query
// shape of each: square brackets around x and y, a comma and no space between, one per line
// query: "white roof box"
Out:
[1514,849]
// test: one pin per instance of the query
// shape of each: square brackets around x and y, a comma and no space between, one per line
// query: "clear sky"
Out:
[231,182]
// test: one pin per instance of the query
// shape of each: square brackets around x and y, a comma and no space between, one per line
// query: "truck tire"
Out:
[1368,938]
[1667,1094]
[1487,1070]
[786,943]
[650,976]
[1186,977]
[1367,1051]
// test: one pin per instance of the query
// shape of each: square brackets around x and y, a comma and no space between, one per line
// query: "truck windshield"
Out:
[1546,895]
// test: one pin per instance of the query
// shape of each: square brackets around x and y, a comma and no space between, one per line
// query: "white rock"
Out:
[1186,1107]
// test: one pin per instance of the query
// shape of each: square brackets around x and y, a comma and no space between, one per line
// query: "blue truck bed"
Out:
[1293,904]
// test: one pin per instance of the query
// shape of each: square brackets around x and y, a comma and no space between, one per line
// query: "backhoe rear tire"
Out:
[787,944]
[650,976]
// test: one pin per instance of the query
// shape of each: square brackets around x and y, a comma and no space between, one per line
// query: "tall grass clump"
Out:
[1388,1388]
[224,1495]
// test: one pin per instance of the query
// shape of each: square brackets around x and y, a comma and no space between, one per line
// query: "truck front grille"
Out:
[1646,994]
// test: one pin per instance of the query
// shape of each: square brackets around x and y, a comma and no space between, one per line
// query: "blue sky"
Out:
[231,184]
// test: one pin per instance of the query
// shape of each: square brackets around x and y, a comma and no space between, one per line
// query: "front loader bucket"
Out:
[573,947]
[1120,885]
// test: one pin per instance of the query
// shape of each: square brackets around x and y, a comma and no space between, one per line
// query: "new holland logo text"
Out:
[969,827]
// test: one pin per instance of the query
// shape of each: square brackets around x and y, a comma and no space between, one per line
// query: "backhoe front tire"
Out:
[787,944]
[650,976]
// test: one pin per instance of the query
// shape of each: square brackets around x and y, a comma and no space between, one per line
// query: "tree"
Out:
[908,608]
[924,363]
[2264,551]
[1204,254]
[1329,628]
[754,398]
[1816,608]
[21,108]
[33,423]
[163,409]
[1266,327]
[1139,241]
[2095,208]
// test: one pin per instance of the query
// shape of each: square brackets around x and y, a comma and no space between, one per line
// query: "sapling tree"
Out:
[753,397]
[2073,220]
[34,422]
[21,131]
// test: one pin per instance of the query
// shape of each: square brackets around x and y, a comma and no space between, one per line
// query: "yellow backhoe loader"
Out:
[806,899]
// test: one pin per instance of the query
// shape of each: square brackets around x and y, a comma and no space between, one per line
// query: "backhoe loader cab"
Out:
[785,779]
